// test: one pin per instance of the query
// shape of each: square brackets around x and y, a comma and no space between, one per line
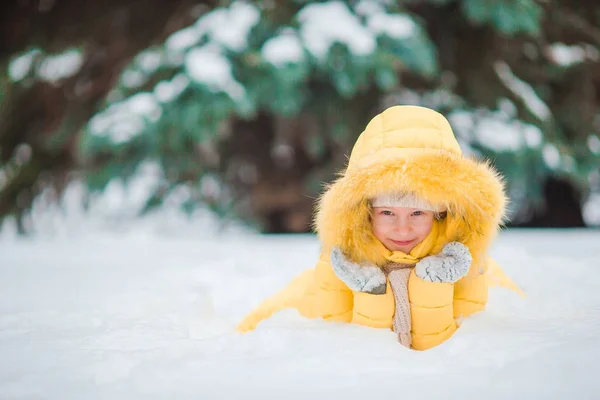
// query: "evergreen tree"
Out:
[250,106]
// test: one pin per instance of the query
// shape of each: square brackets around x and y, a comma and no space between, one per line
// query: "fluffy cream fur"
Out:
[407,200]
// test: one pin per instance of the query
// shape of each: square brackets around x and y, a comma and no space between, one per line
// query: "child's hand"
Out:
[359,278]
[449,266]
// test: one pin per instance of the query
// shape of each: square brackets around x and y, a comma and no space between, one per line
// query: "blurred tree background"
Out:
[248,107]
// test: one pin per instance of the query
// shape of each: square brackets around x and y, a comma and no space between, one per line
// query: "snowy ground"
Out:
[139,314]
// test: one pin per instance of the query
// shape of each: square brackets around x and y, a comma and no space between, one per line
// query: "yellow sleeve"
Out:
[431,311]
[471,292]
[495,276]
[374,310]
[334,301]
[293,295]
[316,292]
[327,296]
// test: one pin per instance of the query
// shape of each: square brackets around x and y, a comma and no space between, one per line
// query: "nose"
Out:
[402,227]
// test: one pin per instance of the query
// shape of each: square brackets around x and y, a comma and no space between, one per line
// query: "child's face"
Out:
[399,228]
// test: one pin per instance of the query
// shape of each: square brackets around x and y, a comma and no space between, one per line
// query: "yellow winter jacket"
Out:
[412,149]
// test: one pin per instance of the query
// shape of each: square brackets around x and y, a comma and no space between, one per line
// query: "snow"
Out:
[565,55]
[147,312]
[133,79]
[551,156]
[126,119]
[495,130]
[507,107]
[323,24]
[397,26]
[533,135]
[116,209]
[19,67]
[493,133]
[594,144]
[98,305]
[166,91]
[380,21]
[368,7]
[230,26]
[210,186]
[60,66]
[591,210]
[462,123]
[523,90]
[144,104]
[52,67]
[207,65]
[282,49]
[226,26]
[183,39]
[149,60]
[22,154]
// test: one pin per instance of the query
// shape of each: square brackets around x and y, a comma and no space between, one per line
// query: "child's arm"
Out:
[316,292]
[373,297]
[471,292]
[431,293]
[331,299]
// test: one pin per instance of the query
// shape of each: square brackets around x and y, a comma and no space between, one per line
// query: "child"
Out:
[405,233]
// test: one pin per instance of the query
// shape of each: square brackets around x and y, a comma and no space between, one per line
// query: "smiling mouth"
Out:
[402,243]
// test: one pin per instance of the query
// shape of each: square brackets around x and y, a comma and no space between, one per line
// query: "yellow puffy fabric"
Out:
[412,149]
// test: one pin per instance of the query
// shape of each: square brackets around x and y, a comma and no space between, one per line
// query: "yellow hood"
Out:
[411,149]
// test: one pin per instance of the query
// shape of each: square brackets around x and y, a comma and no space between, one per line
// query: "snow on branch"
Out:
[283,49]
[323,24]
[226,26]
[522,90]
[207,65]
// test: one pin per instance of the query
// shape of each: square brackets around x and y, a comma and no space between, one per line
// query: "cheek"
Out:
[379,230]
[424,230]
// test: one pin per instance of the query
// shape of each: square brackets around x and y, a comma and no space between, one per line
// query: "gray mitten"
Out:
[358,277]
[449,266]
